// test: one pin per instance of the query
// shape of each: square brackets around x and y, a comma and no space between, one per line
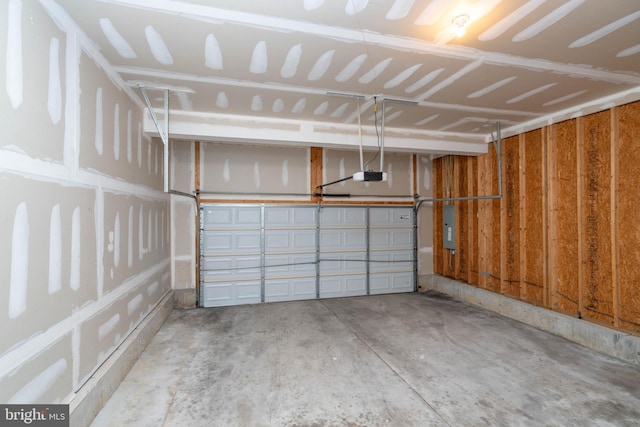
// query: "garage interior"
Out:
[319,212]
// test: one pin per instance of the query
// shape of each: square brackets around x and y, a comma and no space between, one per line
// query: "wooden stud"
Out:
[196,168]
[316,157]
[523,216]
[581,208]
[445,252]
[436,171]
[552,220]
[472,213]
[484,220]
[504,276]
[615,247]
[545,219]
[196,183]
[457,234]
[415,173]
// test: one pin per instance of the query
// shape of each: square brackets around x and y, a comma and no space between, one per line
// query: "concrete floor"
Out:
[393,360]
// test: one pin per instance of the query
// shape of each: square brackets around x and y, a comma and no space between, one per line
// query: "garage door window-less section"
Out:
[264,253]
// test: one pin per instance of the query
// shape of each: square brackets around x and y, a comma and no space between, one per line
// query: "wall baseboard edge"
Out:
[93,395]
[618,344]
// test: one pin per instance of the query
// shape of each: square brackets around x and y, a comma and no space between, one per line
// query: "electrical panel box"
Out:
[449,232]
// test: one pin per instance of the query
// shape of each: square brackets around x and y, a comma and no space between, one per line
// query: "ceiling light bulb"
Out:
[460,22]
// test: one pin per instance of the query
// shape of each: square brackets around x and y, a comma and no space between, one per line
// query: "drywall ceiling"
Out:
[261,70]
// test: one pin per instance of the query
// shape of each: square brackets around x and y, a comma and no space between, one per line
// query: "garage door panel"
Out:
[391,238]
[230,267]
[282,265]
[340,239]
[231,216]
[391,217]
[337,263]
[253,254]
[290,216]
[391,261]
[231,293]
[343,216]
[343,286]
[290,289]
[290,240]
[390,283]
[230,241]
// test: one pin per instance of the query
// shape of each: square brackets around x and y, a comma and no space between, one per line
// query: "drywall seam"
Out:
[116,131]
[14,74]
[28,167]
[99,136]
[18,281]
[29,349]
[403,44]
[76,255]
[99,228]
[71,153]
[55,250]
[54,93]
[75,355]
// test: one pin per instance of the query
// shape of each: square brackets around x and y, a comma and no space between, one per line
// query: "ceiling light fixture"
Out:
[460,23]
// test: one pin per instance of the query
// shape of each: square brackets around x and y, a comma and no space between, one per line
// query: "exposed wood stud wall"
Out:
[628,201]
[564,235]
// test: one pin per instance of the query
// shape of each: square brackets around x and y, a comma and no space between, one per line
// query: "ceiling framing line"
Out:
[69,26]
[595,106]
[211,14]
[308,91]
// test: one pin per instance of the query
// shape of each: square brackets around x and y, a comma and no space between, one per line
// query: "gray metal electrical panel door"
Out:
[449,224]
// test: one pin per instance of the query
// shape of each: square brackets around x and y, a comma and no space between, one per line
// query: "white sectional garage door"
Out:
[264,253]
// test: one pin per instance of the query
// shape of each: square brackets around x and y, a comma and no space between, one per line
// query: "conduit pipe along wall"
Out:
[496,141]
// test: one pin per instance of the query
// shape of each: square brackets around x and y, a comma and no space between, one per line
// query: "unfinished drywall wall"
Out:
[424,188]
[253,172]
[236,173]
[86,250]
[626,136]
[563,236]
[183,215]
[340,164]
